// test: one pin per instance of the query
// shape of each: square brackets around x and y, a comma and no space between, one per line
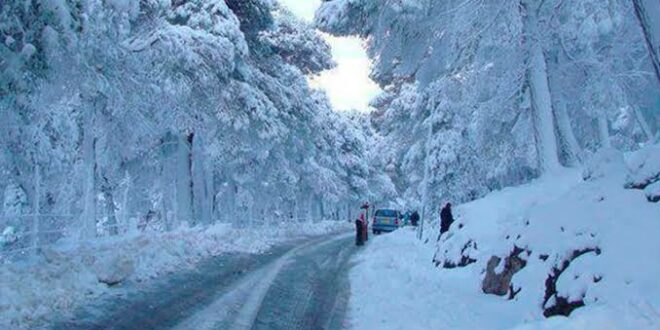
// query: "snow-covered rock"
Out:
[53,256]
[653,192]
[15,201]
[8,236]
[645,167]
[607,161]
[500,272]
[114,270]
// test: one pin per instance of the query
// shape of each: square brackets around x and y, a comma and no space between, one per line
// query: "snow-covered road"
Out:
[302,285]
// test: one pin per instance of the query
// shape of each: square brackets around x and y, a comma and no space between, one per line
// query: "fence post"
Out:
[35,218]
[125,216]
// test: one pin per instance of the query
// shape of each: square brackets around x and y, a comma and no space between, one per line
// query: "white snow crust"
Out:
[397,286]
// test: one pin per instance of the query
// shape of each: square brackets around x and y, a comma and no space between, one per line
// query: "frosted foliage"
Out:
[297,44]
[510,89]
[15,200]
[124,115]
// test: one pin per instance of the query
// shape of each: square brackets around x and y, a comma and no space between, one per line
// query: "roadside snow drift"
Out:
[395,286]
[64,277]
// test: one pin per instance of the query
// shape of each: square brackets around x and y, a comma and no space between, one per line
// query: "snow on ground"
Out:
[66,276]
[598,239]
[396,286]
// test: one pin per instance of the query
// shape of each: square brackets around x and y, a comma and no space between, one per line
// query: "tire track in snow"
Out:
[239,307]
[310,293]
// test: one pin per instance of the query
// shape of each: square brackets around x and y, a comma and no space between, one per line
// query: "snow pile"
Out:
[573,243]
[582,239]
[395,286]
[65,276]
[599,317]
[8,236]
[645,174]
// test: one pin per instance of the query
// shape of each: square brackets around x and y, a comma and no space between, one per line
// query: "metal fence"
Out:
[34,232]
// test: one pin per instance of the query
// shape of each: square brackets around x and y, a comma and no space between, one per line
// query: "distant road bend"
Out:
[294,286]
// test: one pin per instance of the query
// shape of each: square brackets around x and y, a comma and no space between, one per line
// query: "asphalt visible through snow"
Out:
[301,285]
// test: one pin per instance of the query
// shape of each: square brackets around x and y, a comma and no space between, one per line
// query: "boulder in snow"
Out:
[114,269]
[52,256]
[15,201]
[645,166]
[500,283]
[606,161]
[653,192]
[464,259]
[8,236]
[553,303]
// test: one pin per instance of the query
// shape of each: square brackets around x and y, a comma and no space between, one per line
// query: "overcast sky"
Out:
[348,86]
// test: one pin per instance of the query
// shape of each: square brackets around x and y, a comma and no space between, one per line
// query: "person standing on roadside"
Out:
[359,232]
[365,221]
[414,219]
[446,219]
[365,228]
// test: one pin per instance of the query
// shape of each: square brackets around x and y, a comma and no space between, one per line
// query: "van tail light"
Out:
[396,222]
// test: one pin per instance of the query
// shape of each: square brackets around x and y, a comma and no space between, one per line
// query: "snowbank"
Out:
[577,243]
[582,238]
[64,277]
[395,286]
[599,317]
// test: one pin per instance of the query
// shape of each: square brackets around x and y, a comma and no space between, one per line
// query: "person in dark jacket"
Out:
[446,219]
[359,232]
[414,219]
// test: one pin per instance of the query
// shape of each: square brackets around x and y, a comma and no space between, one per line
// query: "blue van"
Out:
[386,220]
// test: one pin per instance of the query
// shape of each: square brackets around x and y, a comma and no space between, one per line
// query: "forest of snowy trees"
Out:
[119,114]
[481,95]
[139,138]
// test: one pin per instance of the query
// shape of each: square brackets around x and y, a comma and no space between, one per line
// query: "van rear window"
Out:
[386,213]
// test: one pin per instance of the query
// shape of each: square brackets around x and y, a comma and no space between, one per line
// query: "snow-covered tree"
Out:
[168,113]
[509,90]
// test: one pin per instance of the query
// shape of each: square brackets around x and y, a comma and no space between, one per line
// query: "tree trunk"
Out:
[37,210]
[209,193]
[202,183]
[168,180]
[643,124]
[199,181]
[321,209]
[540,91]
[88,227]
[542,107]
[604,132]
[572,147]
[110,209]
[649,38]
[125,209]
[184,184]
[215,190]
